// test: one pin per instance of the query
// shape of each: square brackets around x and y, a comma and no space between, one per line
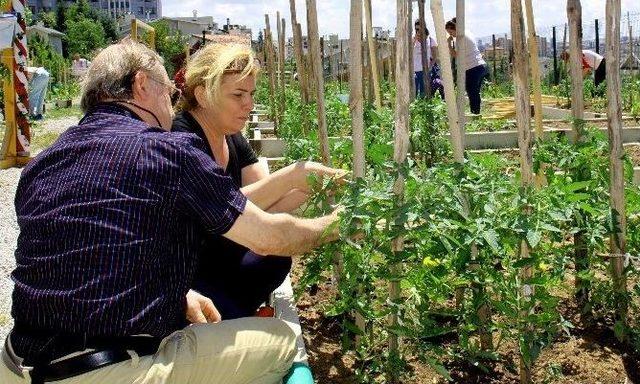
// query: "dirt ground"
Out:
[591,355]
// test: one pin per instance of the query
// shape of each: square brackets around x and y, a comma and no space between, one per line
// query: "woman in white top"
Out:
[591,62]
[472,62]
[431,47]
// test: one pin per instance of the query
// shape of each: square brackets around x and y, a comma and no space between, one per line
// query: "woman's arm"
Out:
[265,193]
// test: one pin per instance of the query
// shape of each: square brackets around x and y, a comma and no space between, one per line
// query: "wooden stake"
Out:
[271,69]
[618,240]
[535,69]
[426,65]
[461,47]
[574,14]
[356,107]
[401,145]
[373,56]
[281,33]
[523,121]
[314,49]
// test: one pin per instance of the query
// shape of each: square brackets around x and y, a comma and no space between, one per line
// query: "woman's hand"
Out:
[200,309]
[309,168]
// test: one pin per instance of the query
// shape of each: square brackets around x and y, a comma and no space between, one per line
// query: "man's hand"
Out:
[200,309]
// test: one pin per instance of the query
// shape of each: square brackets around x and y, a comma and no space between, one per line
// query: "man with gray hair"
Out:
[111,218]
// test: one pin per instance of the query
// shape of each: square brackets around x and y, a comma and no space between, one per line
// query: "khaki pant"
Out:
[248,350]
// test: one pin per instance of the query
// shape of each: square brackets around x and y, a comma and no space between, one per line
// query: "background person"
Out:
[38,84]
[79,66]
[592,62]
[471,62]
[431,48]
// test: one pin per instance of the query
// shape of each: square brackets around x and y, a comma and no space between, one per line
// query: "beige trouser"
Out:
[248,350]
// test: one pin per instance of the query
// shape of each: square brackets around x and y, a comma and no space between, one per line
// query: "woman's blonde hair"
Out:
[208,66]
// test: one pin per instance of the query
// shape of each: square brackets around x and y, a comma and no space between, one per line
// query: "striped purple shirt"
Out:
[111,219]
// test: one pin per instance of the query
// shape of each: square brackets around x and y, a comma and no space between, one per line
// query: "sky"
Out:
[483,17]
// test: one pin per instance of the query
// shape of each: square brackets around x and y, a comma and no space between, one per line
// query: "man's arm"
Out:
[281,234]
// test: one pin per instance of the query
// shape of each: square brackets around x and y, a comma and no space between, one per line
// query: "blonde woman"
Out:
[220,81]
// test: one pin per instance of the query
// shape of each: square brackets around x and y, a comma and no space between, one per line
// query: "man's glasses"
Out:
[174,92]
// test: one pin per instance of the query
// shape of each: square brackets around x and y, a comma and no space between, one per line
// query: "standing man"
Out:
[111,219]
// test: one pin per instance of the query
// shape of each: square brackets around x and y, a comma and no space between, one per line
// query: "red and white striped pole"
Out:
[21,82]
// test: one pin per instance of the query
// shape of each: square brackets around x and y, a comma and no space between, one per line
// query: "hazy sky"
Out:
[484,17]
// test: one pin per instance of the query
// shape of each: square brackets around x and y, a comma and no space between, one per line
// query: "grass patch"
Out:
[41,138]
[57,113]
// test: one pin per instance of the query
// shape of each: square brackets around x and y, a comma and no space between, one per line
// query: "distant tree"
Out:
[84,36]
[48,19]
[169,44]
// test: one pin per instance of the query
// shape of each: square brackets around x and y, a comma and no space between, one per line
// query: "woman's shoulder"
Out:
[184,122]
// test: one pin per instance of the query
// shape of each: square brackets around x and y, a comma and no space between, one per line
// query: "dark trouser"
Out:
[419,80]
[601,73]
[238,280]
[473,82]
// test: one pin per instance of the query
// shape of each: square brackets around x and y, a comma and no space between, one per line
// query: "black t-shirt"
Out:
[219,253]
[240,152]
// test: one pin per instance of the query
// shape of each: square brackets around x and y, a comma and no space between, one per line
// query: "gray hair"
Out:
[112,71]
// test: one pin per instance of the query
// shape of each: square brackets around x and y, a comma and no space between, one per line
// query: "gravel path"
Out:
[8,226]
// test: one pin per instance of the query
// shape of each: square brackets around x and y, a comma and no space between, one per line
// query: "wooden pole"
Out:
[535,69]
[493,42]
[314,49]
[401,145]
[574,13]
[297,49]
[447,79]
[373,56]
[618,241]
[426,65]
[409,22]
[304,69]
[271,69]
[523,121]
[356,106]
[556,75]
[281,33]
[461,47]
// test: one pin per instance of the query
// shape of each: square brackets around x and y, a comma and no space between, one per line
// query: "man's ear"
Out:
[140,86]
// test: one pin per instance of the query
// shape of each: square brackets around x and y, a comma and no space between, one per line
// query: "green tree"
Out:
[170,45]
[84,36]
[43,55]
[48,19]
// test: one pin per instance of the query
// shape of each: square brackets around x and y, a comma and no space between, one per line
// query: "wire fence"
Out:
[497,48]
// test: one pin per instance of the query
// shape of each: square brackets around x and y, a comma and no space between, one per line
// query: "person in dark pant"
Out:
[592,62]
[431,54]
[220,80]
[470,60]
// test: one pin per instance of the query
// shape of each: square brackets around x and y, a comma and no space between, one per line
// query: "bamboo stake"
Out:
[373,57]
[281,32]
[271,70]
[401,147]
[447,79]
[484,311]
[618,240]
[523,121]
[535,69]
[303,70]
[426,65]
[356,107]
[314,49]
[461,47]
[574,13]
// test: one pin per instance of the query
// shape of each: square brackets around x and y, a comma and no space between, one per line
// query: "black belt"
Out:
[108,351]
